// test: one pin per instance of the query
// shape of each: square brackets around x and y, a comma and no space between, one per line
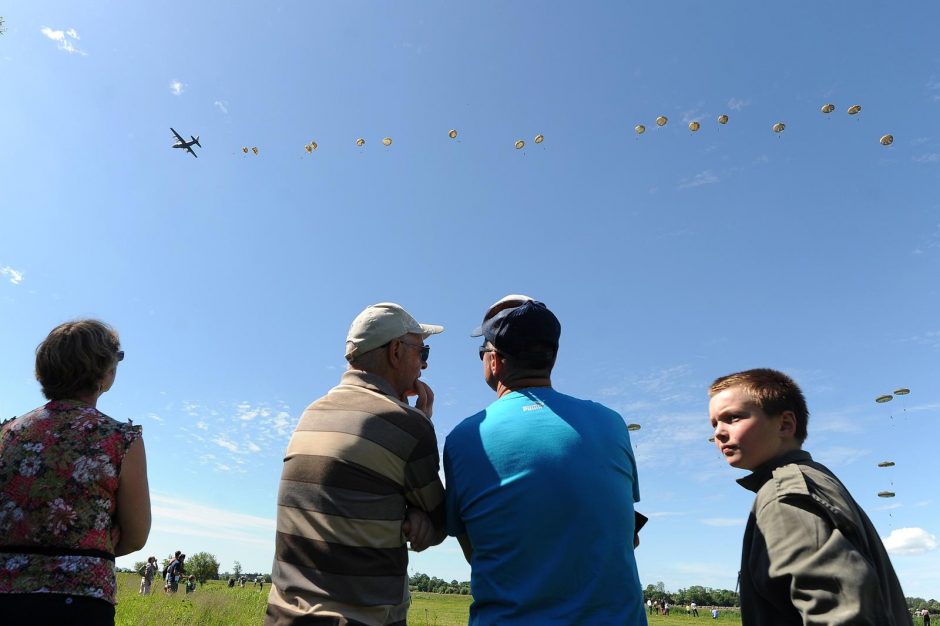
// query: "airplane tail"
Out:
[196,140]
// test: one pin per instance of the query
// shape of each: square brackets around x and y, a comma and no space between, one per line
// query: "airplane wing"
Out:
[178,138]
[191,151]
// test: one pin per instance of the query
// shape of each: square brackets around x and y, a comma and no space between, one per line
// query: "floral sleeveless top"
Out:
[59,471]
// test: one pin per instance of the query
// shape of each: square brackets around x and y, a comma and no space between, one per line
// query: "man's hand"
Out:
[419,530]
[425,401]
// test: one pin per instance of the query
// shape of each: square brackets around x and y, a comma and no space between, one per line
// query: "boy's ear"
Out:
[788,424]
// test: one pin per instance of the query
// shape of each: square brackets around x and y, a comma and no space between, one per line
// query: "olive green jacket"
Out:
[811,556]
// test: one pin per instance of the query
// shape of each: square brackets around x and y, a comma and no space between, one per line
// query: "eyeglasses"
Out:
[484,350]
[425,350]
[119,355]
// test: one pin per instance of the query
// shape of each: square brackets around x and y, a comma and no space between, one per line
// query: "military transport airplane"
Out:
[182,143]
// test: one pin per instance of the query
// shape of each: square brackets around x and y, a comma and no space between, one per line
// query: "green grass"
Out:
[214,604]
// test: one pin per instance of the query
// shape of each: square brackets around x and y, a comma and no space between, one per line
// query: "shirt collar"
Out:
[756,479]
[370,381]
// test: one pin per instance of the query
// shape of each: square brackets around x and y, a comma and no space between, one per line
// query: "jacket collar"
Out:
[756,479]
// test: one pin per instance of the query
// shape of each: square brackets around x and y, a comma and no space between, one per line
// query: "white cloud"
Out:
[702,178]
[64,39]
[155,417]
[722,522]
[202,425]
[176,87]
[736,104]
[171,514]
[15,276]
[253,447]
[225,443]
[930,157]
[222,106]
[910,541]
[839,455]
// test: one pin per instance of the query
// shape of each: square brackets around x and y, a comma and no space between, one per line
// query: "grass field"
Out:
[214,604]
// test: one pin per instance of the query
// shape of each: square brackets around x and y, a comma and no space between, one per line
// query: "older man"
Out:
[540,488]
[361,470]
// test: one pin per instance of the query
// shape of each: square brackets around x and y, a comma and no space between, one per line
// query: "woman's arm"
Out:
[133,501]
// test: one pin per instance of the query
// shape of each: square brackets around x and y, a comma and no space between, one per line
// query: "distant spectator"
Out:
[147,574]
[714,613]
[174,572]
[694,609]
[231,582]
[191,584]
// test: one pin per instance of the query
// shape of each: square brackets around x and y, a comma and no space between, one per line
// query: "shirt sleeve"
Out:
[813,565]
[423,486]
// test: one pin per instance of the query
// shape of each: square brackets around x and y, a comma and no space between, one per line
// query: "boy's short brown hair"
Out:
[773,391]
[75,357]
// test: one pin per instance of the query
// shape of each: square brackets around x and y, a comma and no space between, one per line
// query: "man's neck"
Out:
[523,383]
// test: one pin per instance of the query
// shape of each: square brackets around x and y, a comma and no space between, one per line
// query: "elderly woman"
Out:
[73,487]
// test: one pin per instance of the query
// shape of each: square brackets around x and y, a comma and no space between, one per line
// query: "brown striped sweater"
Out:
[357,459]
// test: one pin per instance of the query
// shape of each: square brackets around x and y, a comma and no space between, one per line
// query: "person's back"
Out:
[546,485]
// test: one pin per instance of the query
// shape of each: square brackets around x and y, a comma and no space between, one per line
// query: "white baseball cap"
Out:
[381,323]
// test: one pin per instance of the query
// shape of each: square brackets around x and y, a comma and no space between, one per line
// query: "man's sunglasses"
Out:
[484,350]
[425,350]
[119,355]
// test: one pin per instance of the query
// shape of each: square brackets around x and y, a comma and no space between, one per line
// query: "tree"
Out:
[203,566]
[237,569]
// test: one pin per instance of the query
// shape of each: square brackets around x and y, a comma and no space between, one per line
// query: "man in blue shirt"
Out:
[540,488]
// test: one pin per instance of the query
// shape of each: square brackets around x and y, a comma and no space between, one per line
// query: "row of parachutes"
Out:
[778,127]
[387,141]
[903,391]
[639,129]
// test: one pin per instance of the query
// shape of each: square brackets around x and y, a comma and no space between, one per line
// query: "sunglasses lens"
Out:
[425,353]
[120,355]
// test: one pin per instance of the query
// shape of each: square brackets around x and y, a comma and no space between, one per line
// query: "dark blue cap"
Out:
[523,331]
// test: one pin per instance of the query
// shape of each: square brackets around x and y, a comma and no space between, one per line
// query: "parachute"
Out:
[539,138]
[255,149]
[711,439]
[387,141]
[360,142]
[855,109]
[308,148]
[828,108]
[886,464]
[640,129]
[453,133]
[903,391]
[245,149]
[885,494]
[520,144]
[884,398]
[778,127]
[722,119]
[313,144]
[661,120]
[694,126]
[633,427]
[887,140]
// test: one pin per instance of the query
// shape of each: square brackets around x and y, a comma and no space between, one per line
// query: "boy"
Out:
[810,554]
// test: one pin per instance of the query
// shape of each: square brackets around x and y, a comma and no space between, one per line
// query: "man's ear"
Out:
[393,353]
[788,424]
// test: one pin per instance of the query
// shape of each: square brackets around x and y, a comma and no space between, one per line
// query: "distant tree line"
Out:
[702,596]
[919,603]
[423,582]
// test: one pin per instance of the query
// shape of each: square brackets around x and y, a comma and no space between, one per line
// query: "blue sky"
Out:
[671,258]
